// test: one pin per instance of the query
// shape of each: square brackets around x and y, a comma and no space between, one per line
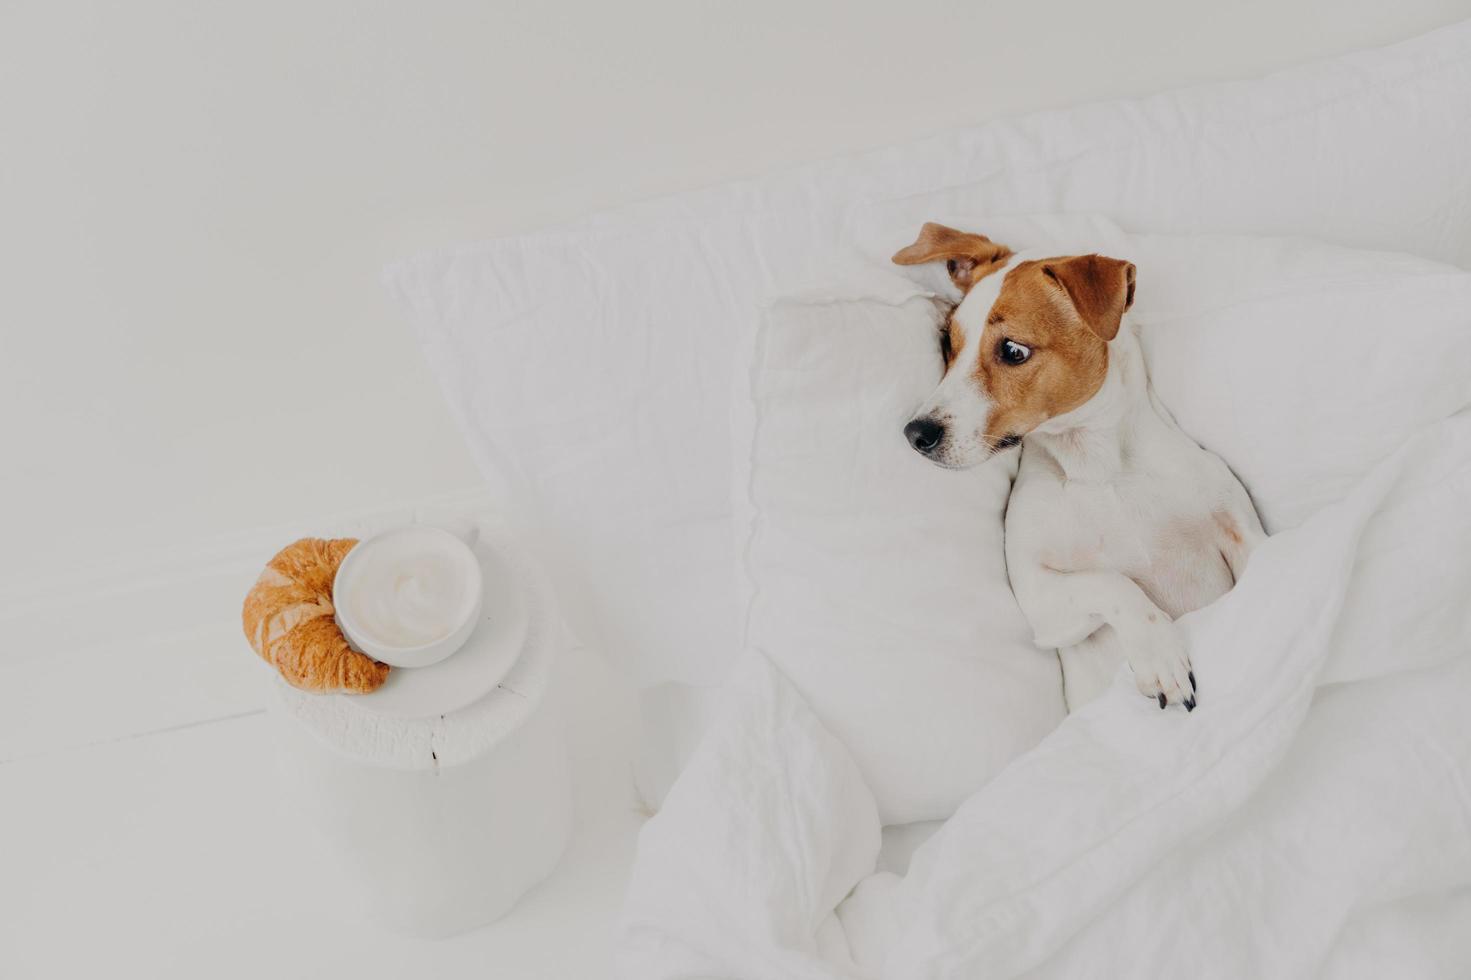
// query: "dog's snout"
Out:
[924,434]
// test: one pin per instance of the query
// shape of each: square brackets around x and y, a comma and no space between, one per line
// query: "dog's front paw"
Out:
[1162,667]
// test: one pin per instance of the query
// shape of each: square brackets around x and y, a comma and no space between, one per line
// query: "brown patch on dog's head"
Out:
[1027,346]
[968,257]
[1063,311]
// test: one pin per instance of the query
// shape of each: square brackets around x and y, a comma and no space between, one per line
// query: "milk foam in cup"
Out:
[409,596]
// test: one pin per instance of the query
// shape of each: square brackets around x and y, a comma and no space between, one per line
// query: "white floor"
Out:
[142,832]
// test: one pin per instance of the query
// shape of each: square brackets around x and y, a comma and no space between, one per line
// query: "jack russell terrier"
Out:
[1118,523]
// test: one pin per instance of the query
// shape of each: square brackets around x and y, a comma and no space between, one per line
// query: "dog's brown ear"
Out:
[968,258]
[1101,289]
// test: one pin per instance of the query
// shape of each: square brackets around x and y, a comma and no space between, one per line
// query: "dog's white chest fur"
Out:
[1160,532]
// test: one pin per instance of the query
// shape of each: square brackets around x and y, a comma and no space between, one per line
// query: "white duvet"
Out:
[1311,818]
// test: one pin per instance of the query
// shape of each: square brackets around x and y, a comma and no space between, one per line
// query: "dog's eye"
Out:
[1011,352]
[947,351]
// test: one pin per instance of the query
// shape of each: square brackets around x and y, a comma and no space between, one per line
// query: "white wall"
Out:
[196,199]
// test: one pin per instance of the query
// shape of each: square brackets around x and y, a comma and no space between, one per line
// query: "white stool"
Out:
[433,826]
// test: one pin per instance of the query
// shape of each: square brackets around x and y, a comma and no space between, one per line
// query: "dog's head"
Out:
[1027,343]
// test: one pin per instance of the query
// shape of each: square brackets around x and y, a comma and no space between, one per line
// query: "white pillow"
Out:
[1301,364]
[588,368]
[878,582]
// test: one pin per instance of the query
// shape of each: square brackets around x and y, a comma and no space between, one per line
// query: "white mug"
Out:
[410,596]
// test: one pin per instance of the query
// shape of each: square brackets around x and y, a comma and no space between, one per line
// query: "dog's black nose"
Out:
[924,434]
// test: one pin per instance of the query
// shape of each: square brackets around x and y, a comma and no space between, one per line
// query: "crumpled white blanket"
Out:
[1311,818]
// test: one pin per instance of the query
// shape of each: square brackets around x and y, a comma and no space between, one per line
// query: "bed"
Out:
[620,382]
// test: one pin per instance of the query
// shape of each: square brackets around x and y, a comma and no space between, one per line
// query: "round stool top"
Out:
[344,721]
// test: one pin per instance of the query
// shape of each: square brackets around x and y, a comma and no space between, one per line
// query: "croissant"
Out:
[288,621]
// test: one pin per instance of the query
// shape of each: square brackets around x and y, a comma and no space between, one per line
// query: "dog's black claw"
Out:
[1192,681]
[1190,704]
[1162,701]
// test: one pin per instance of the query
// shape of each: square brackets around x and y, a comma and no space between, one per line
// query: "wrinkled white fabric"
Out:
[1281,830]
[782,804]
